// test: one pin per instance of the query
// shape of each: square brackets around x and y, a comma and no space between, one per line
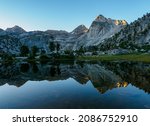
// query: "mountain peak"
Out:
[80,29]
[15,29]
[101,18]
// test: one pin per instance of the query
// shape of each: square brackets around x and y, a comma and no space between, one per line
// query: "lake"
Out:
[75,85]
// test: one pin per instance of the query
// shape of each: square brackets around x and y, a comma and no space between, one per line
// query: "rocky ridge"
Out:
[100,29]
[135,37]
[107,34]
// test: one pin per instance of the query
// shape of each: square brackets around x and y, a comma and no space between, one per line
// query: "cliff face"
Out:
[113,36]
[134,37]
[80,30]
[100,29]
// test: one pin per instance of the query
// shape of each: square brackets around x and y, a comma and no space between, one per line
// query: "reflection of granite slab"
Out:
[104,75]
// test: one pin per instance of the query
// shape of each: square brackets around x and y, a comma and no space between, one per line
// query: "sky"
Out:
[67,14]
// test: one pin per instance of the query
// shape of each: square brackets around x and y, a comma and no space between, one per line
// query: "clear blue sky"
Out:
[66,14]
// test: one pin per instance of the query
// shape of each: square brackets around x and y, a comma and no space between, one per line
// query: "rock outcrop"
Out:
[80,30]
[15,30]
[100,29]
[9,44]
[135,37]
[109,35]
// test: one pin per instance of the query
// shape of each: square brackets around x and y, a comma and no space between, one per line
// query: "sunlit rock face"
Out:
[120,22]
[101,28]
[101,18]
[134,37]
[110,36]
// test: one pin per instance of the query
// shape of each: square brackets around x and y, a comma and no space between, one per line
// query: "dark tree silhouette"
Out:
[52,46]
[24,50]
[34,50]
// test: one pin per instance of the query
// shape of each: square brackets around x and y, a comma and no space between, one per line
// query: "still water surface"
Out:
[75,85]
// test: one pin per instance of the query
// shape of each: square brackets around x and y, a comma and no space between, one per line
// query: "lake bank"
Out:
[75,85]
[126,57]
[45,58]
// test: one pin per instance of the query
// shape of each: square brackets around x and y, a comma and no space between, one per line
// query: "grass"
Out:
[127,57]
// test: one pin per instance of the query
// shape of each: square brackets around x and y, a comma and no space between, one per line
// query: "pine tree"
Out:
[24,50]
[52,46]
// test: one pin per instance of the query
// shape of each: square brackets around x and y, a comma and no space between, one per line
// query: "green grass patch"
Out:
[127,57]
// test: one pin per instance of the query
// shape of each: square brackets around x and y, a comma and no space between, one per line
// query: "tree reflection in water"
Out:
[103,75]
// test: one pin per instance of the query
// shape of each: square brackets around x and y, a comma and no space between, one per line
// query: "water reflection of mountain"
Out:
[138,74]
[103,75]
